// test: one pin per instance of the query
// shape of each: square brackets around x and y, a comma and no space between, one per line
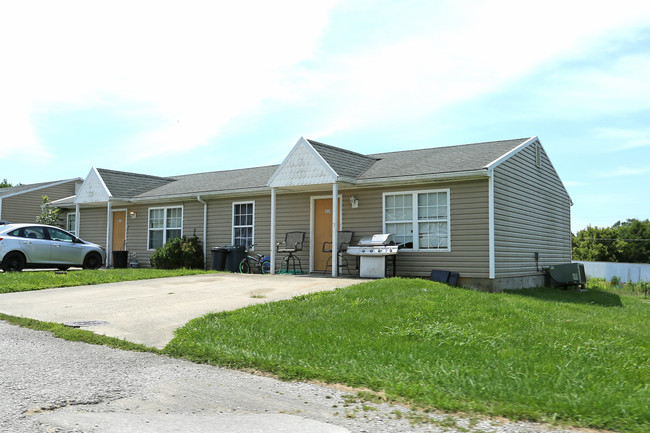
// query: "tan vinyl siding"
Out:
[469,228]
[92,225]
[532,214]
[26,207]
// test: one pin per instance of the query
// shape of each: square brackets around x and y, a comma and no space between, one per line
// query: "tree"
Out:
[626,242]
[5,184]
[50,214]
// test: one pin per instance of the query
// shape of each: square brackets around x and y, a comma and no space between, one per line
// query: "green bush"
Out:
[179,253]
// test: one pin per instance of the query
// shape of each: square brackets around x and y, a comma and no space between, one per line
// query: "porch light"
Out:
[133,214]
[354,202]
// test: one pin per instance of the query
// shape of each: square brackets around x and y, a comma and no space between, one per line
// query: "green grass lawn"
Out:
[28,280]
[580,358]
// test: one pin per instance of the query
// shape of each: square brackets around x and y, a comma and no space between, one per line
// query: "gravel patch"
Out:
[56,386]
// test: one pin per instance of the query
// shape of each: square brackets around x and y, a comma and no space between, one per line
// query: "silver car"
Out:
[43,246]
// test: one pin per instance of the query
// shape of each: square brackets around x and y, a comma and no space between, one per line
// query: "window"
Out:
[420,219]
[60,235]
[70,223]
[165,223]
[243,220]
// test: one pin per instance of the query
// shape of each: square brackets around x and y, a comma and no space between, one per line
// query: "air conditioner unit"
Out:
[568,274]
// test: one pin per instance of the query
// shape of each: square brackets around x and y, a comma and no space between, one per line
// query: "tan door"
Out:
[119,230]
[322,230]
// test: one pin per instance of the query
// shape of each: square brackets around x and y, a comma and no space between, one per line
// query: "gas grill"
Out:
[372,252]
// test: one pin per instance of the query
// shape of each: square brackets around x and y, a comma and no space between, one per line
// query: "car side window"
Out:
[60,235]
[34,233]
[19,233]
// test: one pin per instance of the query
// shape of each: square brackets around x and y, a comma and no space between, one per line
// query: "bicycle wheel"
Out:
[265,265]
[244,266]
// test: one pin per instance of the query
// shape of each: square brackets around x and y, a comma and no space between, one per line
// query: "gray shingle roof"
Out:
[438,160]
[421,162]
[344,162]
[122,184]
[221,181]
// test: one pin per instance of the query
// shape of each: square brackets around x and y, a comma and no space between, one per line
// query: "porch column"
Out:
[272,271]
[76,220]
[335,229]
[109,234]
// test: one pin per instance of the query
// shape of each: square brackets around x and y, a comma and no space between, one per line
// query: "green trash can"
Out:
[236,254]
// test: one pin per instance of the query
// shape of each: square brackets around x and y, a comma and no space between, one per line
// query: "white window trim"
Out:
[67,223]
[414,222]
[164,229]
[232,222]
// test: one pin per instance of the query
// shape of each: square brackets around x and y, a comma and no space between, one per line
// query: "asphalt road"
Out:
[56,386]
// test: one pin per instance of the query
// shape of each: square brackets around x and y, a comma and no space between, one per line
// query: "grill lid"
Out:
[377,239]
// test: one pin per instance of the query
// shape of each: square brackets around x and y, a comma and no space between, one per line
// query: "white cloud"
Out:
[624,139]
[623,171]
[476,50]
[196,64]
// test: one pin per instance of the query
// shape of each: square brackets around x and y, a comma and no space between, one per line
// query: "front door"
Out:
[119,230]
[323,231]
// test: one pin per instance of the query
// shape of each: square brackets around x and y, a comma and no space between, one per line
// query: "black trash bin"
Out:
[219,255]
[120,259]
[236,254]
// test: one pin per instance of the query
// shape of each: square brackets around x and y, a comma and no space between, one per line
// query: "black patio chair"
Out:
[343,241]
[292,243]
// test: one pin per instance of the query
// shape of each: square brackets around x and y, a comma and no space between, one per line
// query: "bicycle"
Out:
[260,261]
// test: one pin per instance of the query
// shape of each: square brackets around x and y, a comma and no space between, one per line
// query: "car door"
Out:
[64,249]
[36,245]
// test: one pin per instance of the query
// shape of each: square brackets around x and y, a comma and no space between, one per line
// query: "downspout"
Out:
[205,229]
[491,249]
[272,246]
[0,209]
[109,233]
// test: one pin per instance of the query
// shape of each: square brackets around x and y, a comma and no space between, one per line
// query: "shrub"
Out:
[615,281]
[179,253]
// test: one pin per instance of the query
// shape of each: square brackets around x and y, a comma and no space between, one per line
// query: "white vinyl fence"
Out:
[627,272]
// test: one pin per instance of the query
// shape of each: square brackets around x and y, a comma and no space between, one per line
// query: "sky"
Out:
[176,87]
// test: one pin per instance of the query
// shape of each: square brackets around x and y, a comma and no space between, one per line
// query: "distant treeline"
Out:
[624,242]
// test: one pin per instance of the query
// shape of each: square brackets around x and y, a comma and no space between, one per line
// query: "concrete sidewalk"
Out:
[148,311]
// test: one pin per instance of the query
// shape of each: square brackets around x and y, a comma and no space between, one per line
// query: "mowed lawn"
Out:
[578,358]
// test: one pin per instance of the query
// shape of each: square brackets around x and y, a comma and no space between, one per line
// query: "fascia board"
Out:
[513,152]
[203,194]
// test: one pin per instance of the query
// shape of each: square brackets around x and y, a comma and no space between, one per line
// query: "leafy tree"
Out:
[50,214]
[626,242]
[5,184]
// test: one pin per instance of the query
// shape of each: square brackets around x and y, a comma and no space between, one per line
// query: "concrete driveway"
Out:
[148,311]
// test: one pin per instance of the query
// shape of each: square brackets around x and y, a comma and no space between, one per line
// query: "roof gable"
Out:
[303,166]
[93,190]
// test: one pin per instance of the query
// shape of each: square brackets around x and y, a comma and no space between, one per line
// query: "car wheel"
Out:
[92,261]
[13,262]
